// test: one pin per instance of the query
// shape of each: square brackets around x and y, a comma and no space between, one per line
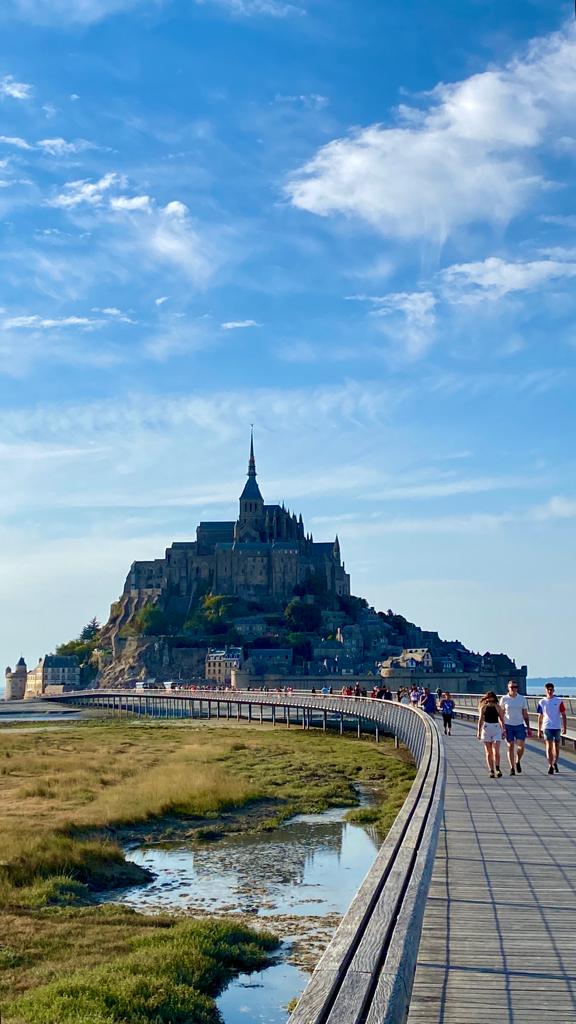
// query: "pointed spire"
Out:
[251,460]
[251,490]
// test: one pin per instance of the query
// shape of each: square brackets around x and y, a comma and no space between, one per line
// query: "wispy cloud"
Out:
[219,414]
[236,325]
[557,507]
[494,278]
[131,203]
[65,12]
[16,141]
[51,147]
[49,324]
[467,156]
[15,90]
[411,317]
[257,8]
[86,192]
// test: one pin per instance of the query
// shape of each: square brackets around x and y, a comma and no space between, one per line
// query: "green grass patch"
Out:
[66,797]
[170,977]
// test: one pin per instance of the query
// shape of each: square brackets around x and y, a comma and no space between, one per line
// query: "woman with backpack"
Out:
[447,709]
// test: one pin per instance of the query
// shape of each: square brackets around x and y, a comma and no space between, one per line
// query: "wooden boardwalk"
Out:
[499,936]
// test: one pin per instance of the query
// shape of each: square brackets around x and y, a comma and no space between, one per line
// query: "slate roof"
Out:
[251,490]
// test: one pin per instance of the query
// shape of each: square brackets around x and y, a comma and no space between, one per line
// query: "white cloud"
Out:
[59,147]
[115,314]
[256,8]
[563,220]
[494,277]
[311,100]
[78,193]
[52,147]
[557,508]
[411,315]
[50,323]
[467,156]
[475,523]
[235,325]
[161,300]
[16,141]
[221,413]
[131,203]
[170,237]
[64,12]
[15,90]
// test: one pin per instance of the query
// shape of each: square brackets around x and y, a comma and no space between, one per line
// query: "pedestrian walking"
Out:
[428,702]
[447,709]
[516,724]
[491,731]
[552,722]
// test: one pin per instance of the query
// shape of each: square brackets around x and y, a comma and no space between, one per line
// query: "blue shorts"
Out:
[515,732]
[552,734]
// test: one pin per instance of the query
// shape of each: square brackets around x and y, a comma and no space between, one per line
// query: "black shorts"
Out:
[447,719]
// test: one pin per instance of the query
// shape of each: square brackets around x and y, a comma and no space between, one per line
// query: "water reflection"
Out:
[308,870]
[312,864]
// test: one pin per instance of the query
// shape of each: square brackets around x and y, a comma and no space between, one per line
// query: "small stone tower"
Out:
[16,681]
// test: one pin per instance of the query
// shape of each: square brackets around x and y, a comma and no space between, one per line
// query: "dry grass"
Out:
[63,793]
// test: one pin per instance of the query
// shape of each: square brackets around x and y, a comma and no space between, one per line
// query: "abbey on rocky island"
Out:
[263,555]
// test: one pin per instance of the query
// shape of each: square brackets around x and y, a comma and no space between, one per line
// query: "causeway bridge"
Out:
[468,913]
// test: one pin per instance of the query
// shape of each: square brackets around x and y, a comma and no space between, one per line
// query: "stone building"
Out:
[220,662]
[261,556]
[53,673]
[16,681]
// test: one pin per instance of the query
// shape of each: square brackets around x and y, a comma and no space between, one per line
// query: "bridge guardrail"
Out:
[366,973]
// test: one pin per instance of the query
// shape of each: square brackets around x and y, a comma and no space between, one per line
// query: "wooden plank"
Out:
[498,940]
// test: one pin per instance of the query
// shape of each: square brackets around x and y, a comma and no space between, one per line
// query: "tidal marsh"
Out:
[68,797]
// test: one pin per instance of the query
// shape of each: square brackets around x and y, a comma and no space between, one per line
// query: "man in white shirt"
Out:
[551,721]
[516,724]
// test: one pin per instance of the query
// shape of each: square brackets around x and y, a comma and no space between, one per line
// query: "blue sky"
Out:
[351,223]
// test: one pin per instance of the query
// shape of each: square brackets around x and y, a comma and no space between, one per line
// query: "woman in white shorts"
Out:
[491,731]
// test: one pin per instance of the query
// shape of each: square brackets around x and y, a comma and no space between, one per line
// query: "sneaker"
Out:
[492,776]
[512,772]
[518,767]
[551,770]
[555,766]
[498,773]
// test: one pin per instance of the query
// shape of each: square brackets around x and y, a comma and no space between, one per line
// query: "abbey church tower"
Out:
[251,521]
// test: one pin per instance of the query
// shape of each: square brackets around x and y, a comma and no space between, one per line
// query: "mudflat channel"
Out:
[298,879]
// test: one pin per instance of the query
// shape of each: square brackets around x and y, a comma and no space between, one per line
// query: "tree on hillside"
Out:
[302,617]
[90,630]
[83,648]
[149,621]
[352,606]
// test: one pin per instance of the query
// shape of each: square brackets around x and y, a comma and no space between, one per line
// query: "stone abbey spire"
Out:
[251,490]
[252,516]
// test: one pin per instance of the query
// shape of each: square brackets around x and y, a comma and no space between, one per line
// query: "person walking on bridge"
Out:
[491,731]
[517,725]
[428,702]
[551,720]
[447,709]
